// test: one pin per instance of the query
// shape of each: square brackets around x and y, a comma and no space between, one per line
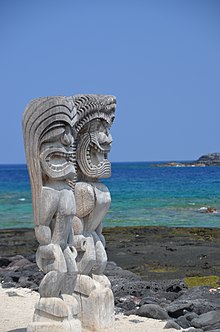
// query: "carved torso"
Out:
[99,199]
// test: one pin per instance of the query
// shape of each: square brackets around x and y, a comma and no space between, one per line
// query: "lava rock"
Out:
[149,300]
[176,286]
[193,329]
[18,262]
[8,284]
[127,303]
[126,313]
[171,324]
[202,306]
[207,319]
[178,309]
[152,311]
[183,322]
[122,287]
[168,296]
[114,272]
[4,261]
[21,272]
[203,300]
[213,328]
[190,316]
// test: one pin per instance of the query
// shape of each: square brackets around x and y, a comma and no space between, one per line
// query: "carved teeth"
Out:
[68,158]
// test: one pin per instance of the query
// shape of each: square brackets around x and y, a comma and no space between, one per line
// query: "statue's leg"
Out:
[94,293]
[57,311]
[86,257]
[96,303]
[62,224]
[101,256]
[70,277]
[51,284]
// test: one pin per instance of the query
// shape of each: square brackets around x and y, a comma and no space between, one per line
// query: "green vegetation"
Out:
[162,269]
[212,281]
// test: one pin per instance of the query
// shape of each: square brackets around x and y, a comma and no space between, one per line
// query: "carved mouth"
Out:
[59,161]
[97,155]
[92,157]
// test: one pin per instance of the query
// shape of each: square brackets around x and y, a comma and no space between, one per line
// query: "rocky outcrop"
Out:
[211,159]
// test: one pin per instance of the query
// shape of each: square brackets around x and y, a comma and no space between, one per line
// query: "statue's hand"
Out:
[79,242]
[47,251]
[50,258]
[102,239]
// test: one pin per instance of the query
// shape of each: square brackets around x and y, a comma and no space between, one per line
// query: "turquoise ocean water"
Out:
[141,195]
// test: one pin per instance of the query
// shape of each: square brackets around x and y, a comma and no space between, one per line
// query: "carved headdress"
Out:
[90,107]
[95,114]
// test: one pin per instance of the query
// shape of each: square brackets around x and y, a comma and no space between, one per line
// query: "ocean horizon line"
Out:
[117,162]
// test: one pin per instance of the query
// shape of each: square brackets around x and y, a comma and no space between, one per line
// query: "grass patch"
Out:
[162,269]
[212,281]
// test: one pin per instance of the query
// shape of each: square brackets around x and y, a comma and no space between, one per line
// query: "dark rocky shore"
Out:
[151,270]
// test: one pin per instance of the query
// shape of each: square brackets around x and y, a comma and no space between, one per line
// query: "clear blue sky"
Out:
[161,59]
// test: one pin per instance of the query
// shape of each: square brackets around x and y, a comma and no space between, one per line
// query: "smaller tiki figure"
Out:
[50,153]
[95,114]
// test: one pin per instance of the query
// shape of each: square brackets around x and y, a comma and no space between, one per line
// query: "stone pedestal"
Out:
[55,315]
[52,326]
[96,303]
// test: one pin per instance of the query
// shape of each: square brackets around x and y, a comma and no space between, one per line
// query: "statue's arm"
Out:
[48,205]
[46,210]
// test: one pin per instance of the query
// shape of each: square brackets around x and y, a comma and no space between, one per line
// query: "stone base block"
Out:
[68,326]
[96,303]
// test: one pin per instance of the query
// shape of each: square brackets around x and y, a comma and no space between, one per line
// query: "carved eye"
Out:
[67,138]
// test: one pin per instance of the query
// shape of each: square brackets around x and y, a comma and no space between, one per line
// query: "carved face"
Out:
[57,154]
[93,148]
